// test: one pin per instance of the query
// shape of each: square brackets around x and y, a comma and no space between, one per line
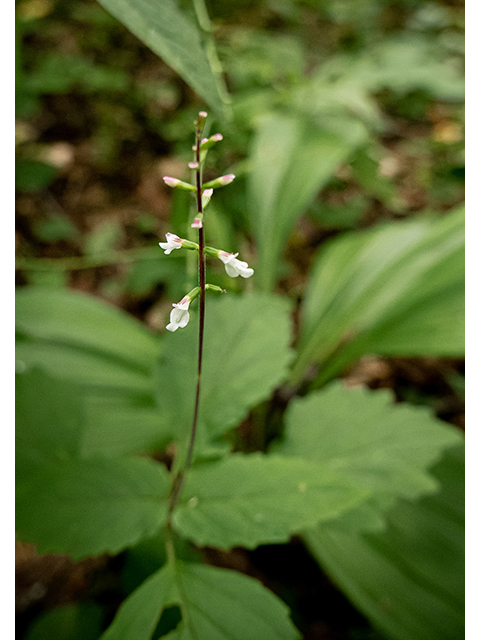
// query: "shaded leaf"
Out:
[169,34]
[87,507]
[251,500]
[409,579]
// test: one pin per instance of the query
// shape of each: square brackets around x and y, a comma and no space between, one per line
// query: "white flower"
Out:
[173,242]
[179,316]
[234,267]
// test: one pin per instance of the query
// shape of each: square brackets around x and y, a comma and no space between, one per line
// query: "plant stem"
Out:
[180,477]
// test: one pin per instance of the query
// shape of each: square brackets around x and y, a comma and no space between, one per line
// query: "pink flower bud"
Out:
[223,180]
[193,165]
[172,182]
[217,137]
[203,114]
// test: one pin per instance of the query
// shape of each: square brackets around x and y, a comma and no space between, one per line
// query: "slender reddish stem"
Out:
[180,477]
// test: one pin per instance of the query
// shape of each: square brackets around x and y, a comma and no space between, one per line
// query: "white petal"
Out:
[184,320]
[231,271]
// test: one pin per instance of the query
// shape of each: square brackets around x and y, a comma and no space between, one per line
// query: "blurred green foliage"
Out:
[344,119]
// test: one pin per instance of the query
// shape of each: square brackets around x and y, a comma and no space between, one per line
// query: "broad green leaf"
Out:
[377,445]
[396,289]
[256,499]
[246,354]
[169,34]
[409,579]
[216,604]
[87,507]
[292,159]
[78,320]
[49,420]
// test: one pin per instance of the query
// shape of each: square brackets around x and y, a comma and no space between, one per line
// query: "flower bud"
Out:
[209,142]
[206,196]
[174,182]
[200,121]
[219,182]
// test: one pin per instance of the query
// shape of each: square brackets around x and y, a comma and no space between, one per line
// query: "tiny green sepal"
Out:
[213,287]
[187,244]
[212,252]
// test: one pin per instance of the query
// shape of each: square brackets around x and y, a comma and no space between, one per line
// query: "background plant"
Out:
[346,140]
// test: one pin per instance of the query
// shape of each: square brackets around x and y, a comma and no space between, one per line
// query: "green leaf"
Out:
[246,354]
[216,604]
[88,507]
[251,500]
[377,445]
[292,159]
[166,31]
[409,579]
[396,289]
[78,320]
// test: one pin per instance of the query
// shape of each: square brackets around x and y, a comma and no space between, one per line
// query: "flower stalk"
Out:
[179,316]
[180,477]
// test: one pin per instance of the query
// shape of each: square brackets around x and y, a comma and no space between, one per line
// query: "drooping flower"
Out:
[234,267]
[173,242]
[179,316]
